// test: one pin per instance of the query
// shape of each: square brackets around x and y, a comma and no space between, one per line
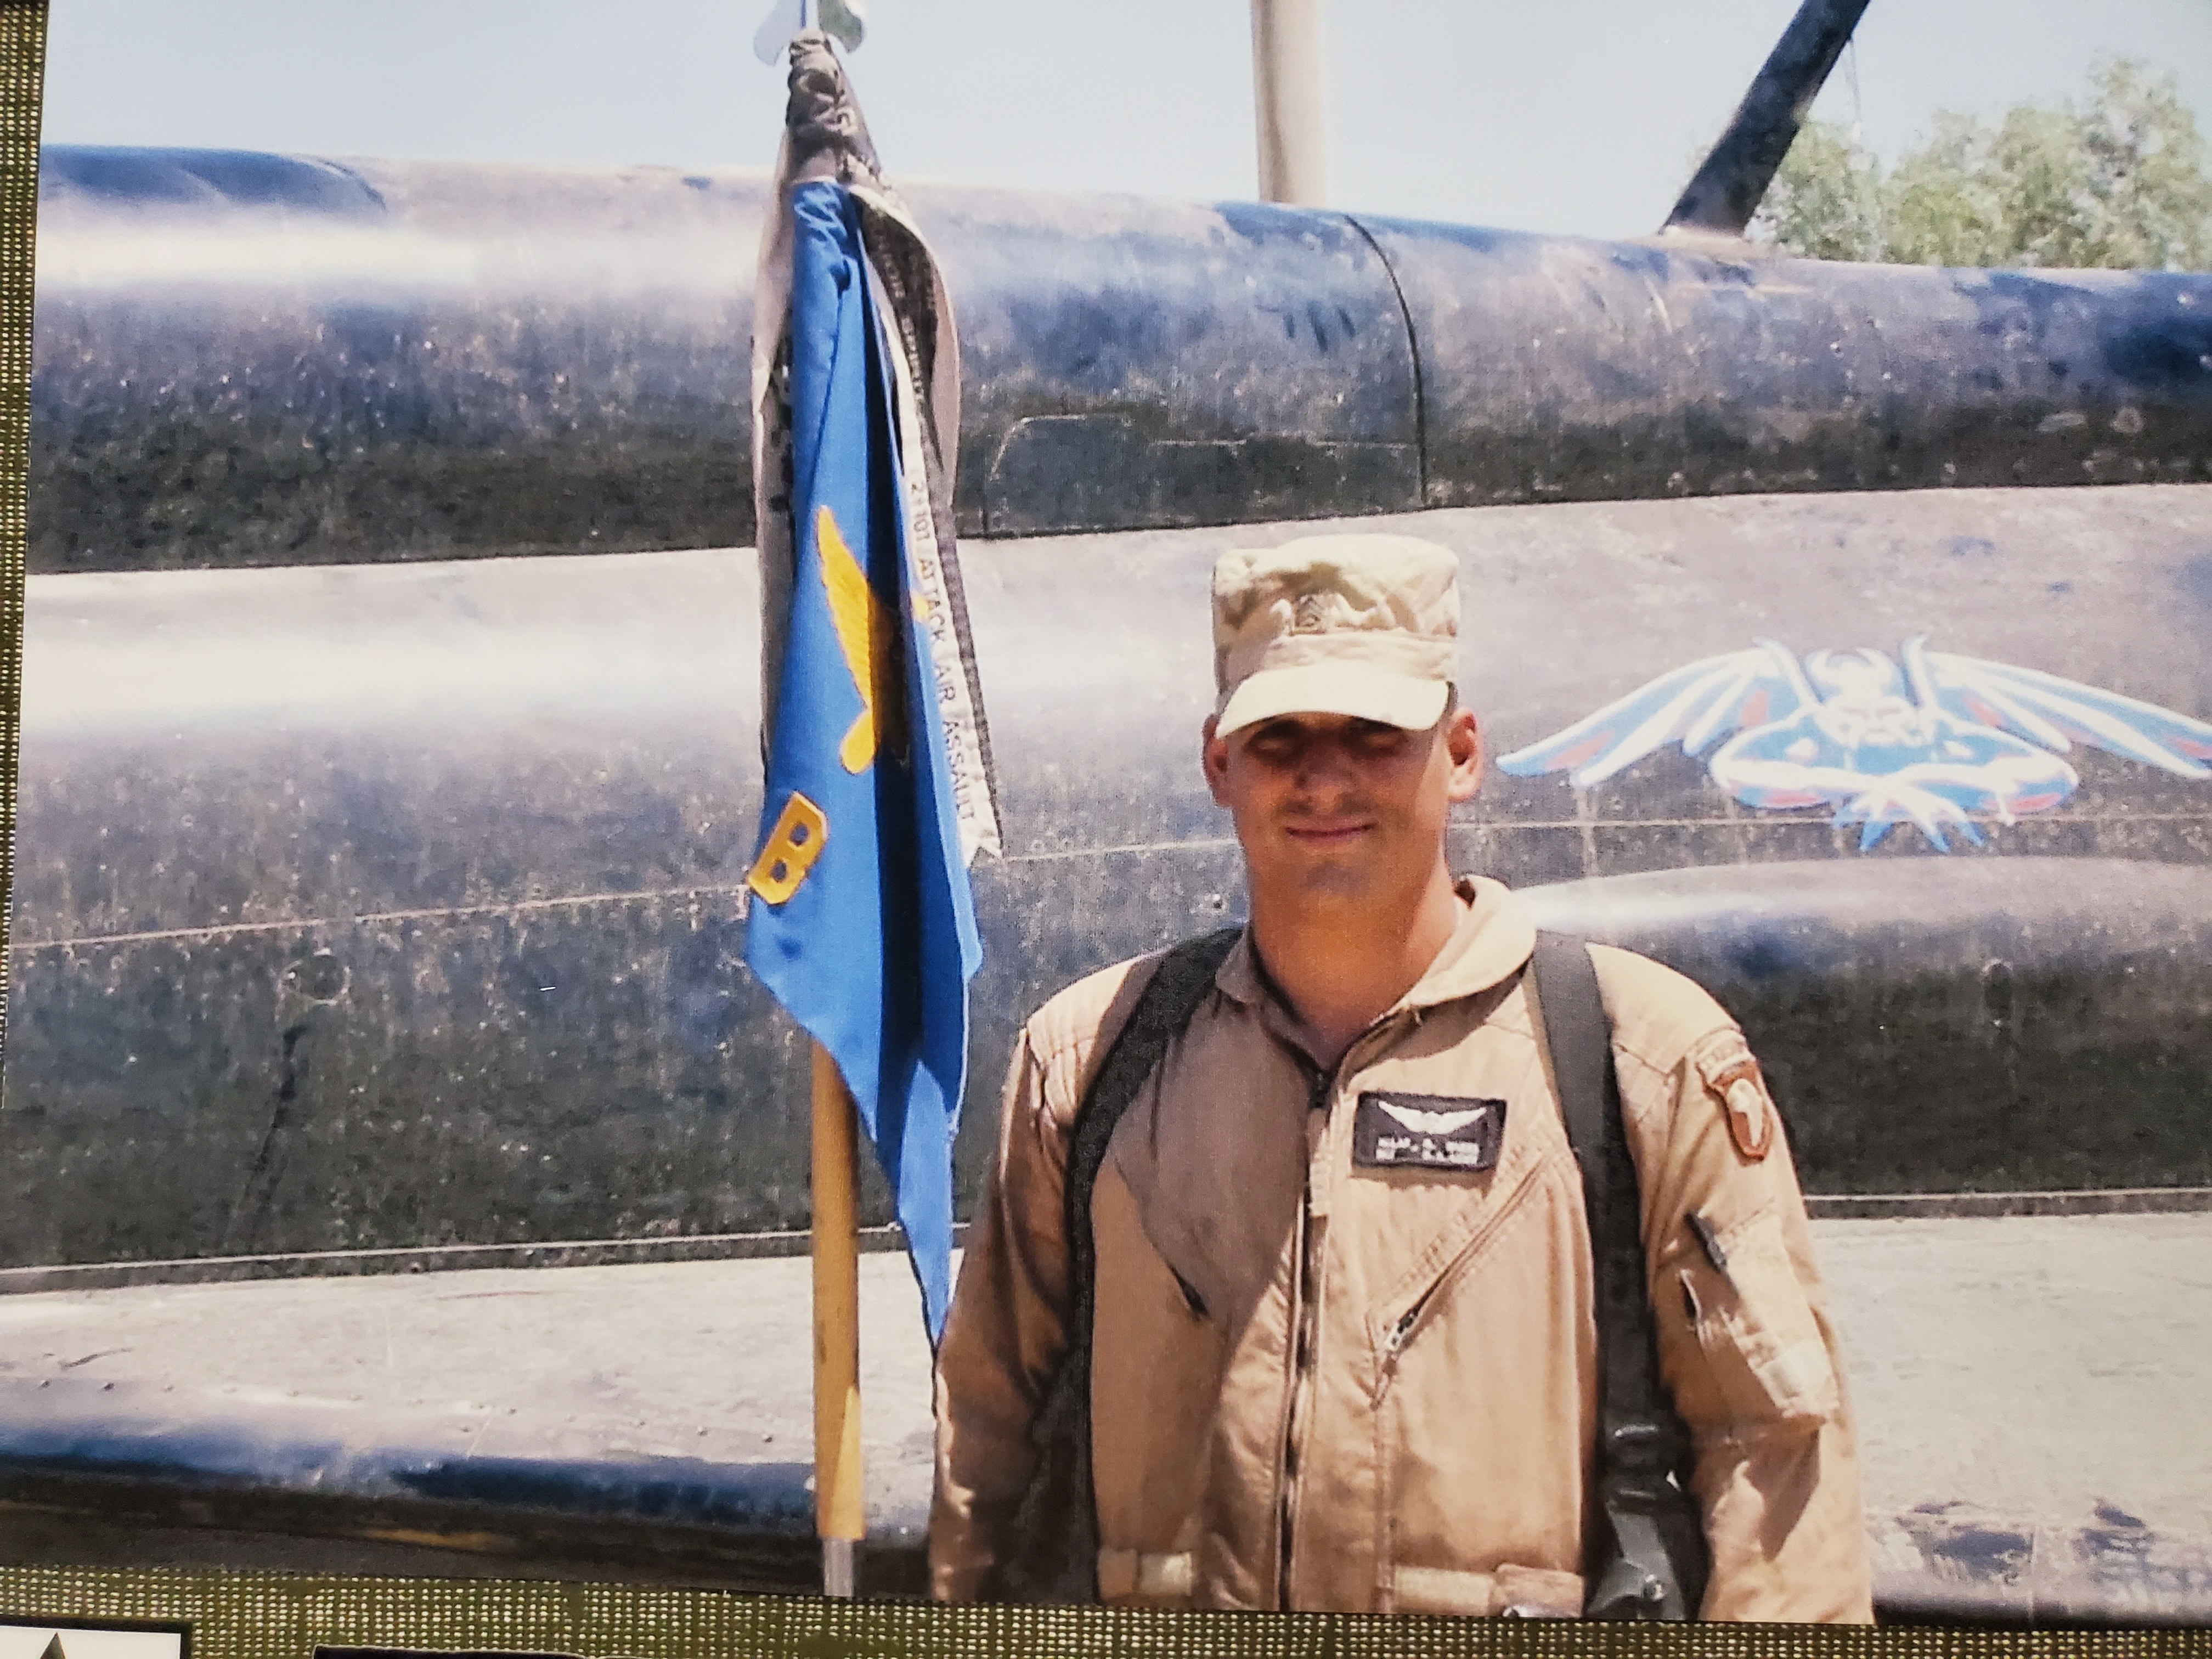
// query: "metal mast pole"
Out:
[1286,101]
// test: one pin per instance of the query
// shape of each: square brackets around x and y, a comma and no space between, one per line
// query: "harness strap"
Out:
[1649,1559]
[1056,1522]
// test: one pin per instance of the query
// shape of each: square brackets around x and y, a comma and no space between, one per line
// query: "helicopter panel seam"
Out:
[1414,353]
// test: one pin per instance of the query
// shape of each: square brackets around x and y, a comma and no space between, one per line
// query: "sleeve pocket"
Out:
[1756,1330]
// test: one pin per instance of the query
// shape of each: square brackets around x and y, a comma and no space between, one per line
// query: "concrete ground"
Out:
[2030,1391]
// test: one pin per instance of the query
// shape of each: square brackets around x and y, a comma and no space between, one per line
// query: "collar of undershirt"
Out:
[1492,943]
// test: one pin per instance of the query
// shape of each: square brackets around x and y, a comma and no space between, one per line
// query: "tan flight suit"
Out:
[1321,1385]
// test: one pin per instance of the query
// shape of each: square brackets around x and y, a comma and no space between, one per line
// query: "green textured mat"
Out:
[240,1615]
[22,73]
[235,1616]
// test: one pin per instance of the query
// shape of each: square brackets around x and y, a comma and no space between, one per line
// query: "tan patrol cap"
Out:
[1361,625]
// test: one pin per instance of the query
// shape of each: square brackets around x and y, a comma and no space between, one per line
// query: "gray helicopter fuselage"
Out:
[390,758]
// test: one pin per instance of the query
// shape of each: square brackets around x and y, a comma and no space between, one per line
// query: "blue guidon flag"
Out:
[878,789]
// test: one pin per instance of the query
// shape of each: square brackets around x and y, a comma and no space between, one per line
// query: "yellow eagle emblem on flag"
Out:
[870,647]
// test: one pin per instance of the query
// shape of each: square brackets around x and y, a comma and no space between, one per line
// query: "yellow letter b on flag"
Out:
[793,846]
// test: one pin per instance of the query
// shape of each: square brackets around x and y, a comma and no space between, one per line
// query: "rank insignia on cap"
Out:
[1743,1102]
[1427,1132]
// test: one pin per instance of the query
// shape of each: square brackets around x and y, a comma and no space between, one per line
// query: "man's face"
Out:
[1334,811]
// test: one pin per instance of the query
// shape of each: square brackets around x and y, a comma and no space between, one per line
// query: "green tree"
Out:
[2120,182]
[1826,201]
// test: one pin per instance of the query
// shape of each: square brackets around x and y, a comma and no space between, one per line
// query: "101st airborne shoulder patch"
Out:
[1731,1072]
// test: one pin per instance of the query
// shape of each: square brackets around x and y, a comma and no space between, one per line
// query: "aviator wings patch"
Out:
[1426,1131]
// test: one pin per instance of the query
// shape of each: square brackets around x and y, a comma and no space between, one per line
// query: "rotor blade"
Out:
[1727,188]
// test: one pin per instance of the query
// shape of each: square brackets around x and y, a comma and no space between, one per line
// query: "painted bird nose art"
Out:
[1938,743]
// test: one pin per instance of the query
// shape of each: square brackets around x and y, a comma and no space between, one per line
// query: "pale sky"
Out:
[1580,116]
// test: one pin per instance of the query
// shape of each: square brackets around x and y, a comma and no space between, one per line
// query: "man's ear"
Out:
[1214,760]
[1463,747]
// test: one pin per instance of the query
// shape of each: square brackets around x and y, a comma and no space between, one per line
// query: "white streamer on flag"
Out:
[972,794]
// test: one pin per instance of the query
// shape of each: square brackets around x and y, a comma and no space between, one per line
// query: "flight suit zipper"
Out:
[1322,1087]
[1303,1336]
[1414,1314]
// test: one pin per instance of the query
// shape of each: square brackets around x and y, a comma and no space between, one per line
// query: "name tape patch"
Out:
[1427,1132]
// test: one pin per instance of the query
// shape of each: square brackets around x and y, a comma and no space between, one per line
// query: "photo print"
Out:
[409,1160]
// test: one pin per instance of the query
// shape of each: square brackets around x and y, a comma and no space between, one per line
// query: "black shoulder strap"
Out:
[1649,1559]
[1055,1533]
[1178,985]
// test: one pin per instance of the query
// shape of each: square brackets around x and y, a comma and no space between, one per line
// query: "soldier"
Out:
[1342,1350]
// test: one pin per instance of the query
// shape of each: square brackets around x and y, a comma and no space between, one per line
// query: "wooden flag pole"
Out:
[840,1512]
